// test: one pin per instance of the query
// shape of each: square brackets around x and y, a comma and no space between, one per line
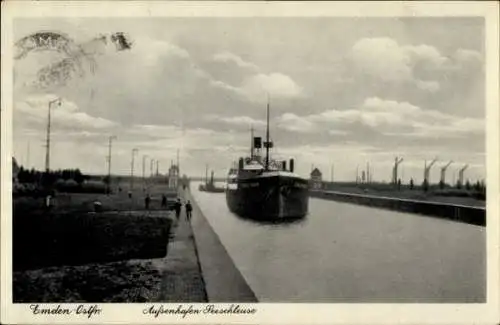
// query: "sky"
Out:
[342,92]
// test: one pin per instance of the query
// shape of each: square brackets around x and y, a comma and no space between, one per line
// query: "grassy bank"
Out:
[73,253]
[84,202]
[71,233]
[50,239]
[124,281]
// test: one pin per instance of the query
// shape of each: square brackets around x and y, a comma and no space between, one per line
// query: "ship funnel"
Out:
[291,164]
[240,164]
[257,142]
[283,163]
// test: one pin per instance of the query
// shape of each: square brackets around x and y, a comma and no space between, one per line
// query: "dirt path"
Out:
[182,280]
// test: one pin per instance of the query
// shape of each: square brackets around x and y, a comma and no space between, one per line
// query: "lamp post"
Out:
[110,144]
[134,152]
[144,167]
[151,163]
[47,153]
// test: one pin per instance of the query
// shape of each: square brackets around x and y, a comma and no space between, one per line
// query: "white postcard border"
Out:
[266,313]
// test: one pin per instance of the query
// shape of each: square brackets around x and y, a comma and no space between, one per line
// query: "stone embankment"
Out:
[455,212]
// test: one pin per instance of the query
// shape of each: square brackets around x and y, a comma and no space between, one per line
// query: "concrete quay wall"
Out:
[460,213]
[223,281]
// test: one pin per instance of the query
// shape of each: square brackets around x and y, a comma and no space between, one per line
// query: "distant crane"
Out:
[135,151]
[443,171]
[427,170]
[397,161]
[461,175]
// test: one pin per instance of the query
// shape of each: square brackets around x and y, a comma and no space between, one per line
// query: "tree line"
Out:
[49,178]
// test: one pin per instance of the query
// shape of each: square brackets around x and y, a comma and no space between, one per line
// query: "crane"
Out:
[397,161]
[443,171]
[427,170]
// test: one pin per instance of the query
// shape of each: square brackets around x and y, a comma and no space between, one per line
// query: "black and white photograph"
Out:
[202,164]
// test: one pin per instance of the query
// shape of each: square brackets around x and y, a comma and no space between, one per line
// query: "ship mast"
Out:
[267,136]
[251,144]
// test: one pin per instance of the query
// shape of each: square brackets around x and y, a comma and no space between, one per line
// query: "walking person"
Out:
[147,200]
[163,201]
[178,208]
[48,202]
[189,209]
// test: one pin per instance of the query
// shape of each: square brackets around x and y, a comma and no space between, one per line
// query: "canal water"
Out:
[347,253]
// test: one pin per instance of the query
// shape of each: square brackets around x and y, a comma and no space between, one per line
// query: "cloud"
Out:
[230,72]
[228,57]
[402,118]
[381,58]
[386,117]
[372,91]
[419,122]
[428,54]
[274,84]
[243,121]
[258,88]
[386,60]
[173,136]
[294,123]
[467,56]
[430,86]
[34,110]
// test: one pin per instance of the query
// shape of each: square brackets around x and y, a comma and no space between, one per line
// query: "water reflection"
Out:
[346,253]
[275,223]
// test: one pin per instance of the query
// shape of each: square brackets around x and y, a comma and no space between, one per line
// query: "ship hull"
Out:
[272,197]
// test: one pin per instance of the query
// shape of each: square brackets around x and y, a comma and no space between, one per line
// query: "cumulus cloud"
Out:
[386,60]
[274,84]
[228,57]
[294,123]
[385,117]
[416,121]
[381,58]
[467,56]
[257,88]
[423,52]
[34,109]
[430,86]
[230,72]
[242,121]
[159,140]
[157,95]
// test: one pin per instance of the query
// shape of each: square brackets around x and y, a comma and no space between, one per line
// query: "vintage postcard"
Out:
[250,162]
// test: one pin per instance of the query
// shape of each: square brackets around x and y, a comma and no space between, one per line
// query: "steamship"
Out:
[261,188]
[210,186]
